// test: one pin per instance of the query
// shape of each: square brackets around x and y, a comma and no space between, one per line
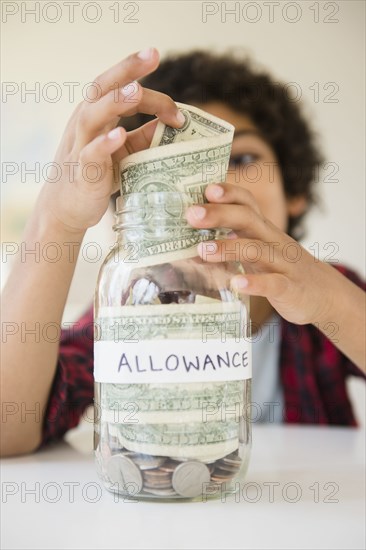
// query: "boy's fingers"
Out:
[95,158]
[159,104]
[134,66]
[237,217]
[269,285]
[137,140]
[246,251]
[231,194]
[104,114]
[256,254]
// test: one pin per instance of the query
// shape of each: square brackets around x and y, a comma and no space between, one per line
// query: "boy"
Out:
[304,373]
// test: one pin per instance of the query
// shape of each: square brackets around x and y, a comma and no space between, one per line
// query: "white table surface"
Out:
[290,459]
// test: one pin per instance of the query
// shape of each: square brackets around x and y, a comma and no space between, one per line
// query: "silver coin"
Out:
[144,292]
[188,478]
[160,481]
[121,470]
[156,481]
[147,462]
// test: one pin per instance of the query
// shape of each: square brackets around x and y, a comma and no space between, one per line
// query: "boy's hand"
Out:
[80,197]
[277,267]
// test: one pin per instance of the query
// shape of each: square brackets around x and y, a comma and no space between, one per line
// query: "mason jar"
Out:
[172,358]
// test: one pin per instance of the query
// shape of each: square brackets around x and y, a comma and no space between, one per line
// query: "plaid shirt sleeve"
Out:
[72,389]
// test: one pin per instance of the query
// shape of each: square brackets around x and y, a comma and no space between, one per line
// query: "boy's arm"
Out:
[302,291]
[35,294]
[345,322]
[32,306]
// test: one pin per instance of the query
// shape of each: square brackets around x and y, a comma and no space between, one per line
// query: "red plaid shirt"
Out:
[313,374]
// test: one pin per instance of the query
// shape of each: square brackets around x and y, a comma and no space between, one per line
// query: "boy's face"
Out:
[254,166]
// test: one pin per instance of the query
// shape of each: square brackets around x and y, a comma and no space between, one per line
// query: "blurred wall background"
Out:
[317,46]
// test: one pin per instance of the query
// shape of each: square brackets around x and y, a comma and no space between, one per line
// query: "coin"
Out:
[188,478]
[234,461]
[220,475]
[156,473]
[169,465]
[227,468]
[120,469]
[219,480]
[146,462]
[157,479]
[158,483]
[144,291]
[159,486]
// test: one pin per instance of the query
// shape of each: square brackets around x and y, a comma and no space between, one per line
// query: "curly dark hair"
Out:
[200,77]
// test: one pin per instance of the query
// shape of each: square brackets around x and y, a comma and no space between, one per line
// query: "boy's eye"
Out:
[247,158]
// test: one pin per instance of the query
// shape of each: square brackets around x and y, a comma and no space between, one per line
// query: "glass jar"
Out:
[172,359]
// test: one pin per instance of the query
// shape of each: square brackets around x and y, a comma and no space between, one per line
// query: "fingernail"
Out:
[129,89]
[145,54]
[240,282]
[217,191]
[114,134]
[197,212]
[180,118]
[232,235]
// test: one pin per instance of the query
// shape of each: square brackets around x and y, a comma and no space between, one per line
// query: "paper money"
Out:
[180,161]
[198,125]
[199,441]
[183,160]
[183,403]
[210,320]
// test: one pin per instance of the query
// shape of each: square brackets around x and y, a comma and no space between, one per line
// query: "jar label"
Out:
[172,361]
